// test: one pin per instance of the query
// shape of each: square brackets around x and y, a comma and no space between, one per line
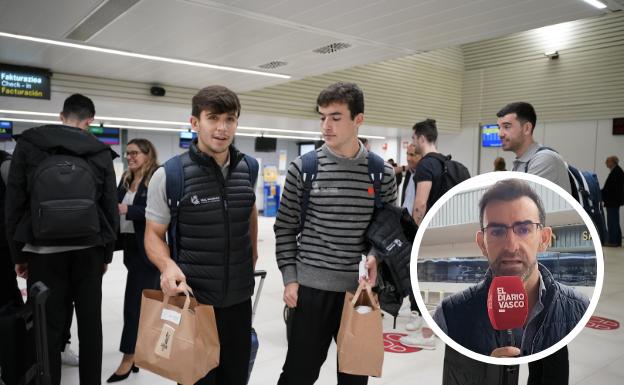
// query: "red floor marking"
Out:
[602,323]
[392,344]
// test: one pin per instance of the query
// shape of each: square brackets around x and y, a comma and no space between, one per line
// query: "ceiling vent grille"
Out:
[272,65]
[332,48]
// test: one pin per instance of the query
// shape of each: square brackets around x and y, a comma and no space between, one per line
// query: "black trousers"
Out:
[552,370]
[413,304]
[141,275]
[234,328]
[613,226]
[73,274]
[9,292]
[316,322]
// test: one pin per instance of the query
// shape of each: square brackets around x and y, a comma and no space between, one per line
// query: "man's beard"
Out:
[499,269]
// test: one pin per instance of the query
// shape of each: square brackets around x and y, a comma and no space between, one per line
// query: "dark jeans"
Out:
[234,328]
[140,276]
[73,274]
[613,226]
[316,322]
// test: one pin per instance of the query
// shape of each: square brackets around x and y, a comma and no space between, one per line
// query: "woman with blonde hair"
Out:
[142,274]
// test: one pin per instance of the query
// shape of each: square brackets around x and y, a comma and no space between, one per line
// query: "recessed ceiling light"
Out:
[596,3]
[140,55]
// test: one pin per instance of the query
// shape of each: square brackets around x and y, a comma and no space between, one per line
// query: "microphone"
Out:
[507,304]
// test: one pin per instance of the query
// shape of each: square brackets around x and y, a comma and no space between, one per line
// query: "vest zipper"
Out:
[226,220]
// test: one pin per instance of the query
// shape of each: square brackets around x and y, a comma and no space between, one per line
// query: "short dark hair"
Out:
[499,164]
[216,99]
[79,107]
[341,92]
[428,129]
[524,112]
[509,190]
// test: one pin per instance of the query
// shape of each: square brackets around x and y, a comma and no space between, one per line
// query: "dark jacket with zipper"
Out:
[214,244]
[136,214]
[4,156]
[468,323]
[33,146]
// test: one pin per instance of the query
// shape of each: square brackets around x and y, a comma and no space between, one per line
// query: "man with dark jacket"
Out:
[613,197]
[217,229]
[66,243]
[513,232]
[9,292]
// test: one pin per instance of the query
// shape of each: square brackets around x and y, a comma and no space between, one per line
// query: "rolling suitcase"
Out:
[254,337]
[20,364]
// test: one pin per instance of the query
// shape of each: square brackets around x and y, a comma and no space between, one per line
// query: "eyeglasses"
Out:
[132,154]
[499,232]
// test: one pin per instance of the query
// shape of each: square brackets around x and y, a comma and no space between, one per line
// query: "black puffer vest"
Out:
[468,323]
[214,249]
[3,240]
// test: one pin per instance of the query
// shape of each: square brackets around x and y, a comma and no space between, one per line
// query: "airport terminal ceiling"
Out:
[249,34]
[407,55]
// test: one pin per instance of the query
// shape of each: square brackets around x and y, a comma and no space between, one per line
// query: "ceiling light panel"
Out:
[100,18]
[139,55]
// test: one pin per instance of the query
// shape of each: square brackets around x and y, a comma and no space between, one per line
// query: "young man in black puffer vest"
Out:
[217,227]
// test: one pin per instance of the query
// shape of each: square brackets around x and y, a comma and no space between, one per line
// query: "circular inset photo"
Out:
[509,267]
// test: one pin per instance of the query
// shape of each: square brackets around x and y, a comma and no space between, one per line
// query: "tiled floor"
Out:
[596,357]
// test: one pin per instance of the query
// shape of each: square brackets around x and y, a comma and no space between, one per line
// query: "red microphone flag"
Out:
[507,303]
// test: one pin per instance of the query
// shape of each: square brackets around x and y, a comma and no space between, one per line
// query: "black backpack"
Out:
[63,199]
[586,190]
[391,231]
[453,173]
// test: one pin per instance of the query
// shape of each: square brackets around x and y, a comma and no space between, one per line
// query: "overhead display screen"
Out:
[489,136]
[6,130]
[108,135]
[24,82]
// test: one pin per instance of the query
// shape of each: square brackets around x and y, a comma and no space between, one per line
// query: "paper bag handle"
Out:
[187,302]
[369,290]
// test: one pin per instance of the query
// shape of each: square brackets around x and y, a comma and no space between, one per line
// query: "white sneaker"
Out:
[418,341]
[69,357]
[415,322]
[405,310]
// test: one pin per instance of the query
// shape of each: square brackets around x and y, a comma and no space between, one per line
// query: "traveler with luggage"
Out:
[319,247]
[9,292]
[61,215]
[142,274]
[613,197]
[436,173]
[204,200]
[516,122]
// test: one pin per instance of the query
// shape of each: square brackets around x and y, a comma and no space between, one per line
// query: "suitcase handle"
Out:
[262,275]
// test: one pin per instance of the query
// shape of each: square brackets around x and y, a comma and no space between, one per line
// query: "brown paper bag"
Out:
[360,338]
[177,337]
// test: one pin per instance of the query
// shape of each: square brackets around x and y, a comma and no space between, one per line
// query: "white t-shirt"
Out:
[126,226]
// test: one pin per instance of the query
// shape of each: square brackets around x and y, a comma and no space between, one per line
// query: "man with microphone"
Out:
[513,231]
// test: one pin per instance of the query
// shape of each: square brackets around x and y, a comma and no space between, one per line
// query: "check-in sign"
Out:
[24,82]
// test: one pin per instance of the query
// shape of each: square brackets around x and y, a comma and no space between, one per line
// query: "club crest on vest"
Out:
[202,201]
